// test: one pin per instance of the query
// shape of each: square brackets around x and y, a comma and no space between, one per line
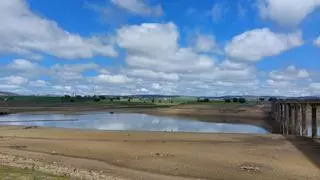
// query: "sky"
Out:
[170,47]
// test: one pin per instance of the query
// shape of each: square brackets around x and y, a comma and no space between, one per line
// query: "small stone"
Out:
[53,153]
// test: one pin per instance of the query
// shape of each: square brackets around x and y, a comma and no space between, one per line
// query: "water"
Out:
[126,121]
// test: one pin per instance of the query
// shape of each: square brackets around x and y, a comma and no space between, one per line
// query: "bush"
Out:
[227,100]
[242,100]
[206,100]
[235,100]
[272,99]
[102,97]
[96,99]
[153,100]
[261,99]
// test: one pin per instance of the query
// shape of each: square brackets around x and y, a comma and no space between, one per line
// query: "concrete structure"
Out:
[292,116]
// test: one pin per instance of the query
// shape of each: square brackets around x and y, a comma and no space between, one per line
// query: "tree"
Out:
[96,99]
[102,97]
[242,100]
[198,99]
[235,100]
[206,100]
[153,100]
[272,99]
[227,100]
[129,100]
[261,99]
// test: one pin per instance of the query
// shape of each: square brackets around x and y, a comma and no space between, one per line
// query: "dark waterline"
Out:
[126,121]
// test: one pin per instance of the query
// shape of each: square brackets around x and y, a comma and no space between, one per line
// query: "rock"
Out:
[53,153]
[250,168]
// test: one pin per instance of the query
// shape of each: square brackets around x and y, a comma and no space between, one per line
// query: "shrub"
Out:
[235,100]
[227,100]
[242,100]
[96,99]
[206,100]
[102,97]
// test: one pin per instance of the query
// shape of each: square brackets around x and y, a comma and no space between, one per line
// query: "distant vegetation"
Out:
[150,100]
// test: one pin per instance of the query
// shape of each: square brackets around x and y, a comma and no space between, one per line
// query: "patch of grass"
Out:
[7,172]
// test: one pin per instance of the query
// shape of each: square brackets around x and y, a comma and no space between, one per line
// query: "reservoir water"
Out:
[126,122]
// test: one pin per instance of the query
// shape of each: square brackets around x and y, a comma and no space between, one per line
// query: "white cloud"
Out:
[155,86]
[23,65]
[24,32]
[317,42]
[154,46]
[315,86]
[256,44]
[113,79]
[287,12]
[14,80]
[205,43]
[139,7]
[228,64]
[290,73]
[70,72]
[38,83]
[149,74]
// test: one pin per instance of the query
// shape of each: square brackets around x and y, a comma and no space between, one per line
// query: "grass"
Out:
[7,172]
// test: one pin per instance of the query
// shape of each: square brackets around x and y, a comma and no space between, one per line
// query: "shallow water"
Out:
[127,121]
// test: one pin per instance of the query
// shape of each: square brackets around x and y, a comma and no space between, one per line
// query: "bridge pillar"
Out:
[297,122]
[304,120]
[314,123]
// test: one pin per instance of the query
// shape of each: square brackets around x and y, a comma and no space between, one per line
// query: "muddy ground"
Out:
[159,155]
[94,154]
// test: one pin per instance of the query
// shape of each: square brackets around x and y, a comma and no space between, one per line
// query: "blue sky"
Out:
[259,47]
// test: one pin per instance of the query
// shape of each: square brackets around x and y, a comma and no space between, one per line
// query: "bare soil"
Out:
[159,155]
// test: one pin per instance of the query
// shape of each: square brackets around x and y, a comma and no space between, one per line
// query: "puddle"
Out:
[126,121]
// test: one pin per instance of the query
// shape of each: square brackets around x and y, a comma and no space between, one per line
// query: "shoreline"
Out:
[233,114]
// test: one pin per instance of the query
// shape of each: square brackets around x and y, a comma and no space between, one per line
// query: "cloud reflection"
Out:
[129,121]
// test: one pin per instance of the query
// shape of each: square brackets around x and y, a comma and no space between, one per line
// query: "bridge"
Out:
[295,117]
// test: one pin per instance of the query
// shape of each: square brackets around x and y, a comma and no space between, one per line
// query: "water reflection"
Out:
[127,121]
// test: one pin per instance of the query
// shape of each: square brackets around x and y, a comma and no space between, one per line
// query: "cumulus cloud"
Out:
[149,74]
[252,46]
[290,73]
[23,65]
[287,12]
[112,79]
[139,7]
[70,72]
[154,46]
[26,33]
[205,43]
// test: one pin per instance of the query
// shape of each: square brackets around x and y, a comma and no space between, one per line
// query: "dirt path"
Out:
[157,155]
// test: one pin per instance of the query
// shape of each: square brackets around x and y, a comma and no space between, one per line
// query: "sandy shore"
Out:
[159,155]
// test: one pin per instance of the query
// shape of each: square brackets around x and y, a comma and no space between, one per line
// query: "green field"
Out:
[106,100]
[7,172]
